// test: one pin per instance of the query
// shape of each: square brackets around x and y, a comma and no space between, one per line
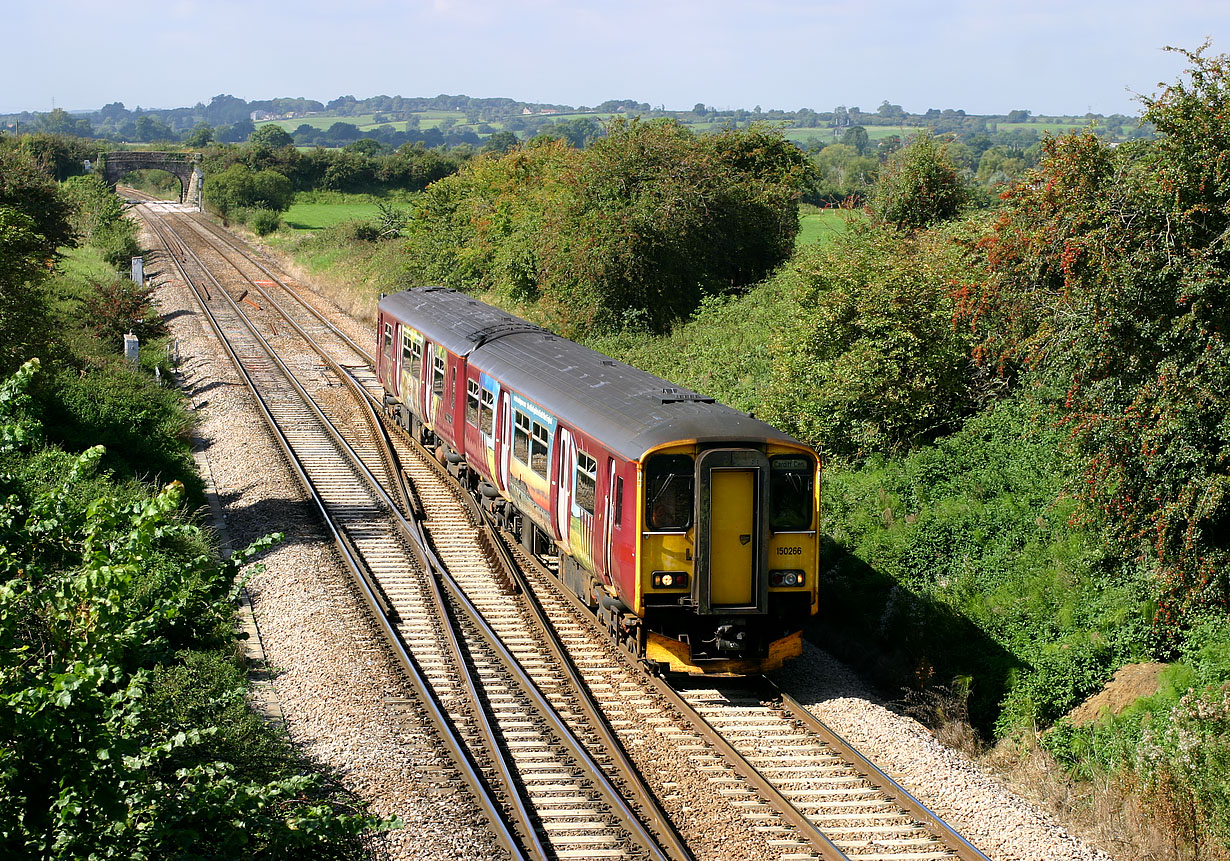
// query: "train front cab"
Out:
[729,555]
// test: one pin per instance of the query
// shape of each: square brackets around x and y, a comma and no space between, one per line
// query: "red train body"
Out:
[688,527]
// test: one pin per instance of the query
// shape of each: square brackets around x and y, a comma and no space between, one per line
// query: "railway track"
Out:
[562,804]
[790,780]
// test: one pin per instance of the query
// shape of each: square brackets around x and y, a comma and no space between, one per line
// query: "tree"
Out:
[871,363]
[238,187]
[634,230]
[1108,290]
[201,135]
[271,135]
[856,137]
[500,142]
[918,186]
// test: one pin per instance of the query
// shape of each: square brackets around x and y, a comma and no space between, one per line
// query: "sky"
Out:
[985,57]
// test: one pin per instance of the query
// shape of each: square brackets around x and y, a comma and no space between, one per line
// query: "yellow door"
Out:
[732,537]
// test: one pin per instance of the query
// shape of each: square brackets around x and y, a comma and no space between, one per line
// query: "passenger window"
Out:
[521,437]
[487,412]
[539,445]
[472,403]
[791,493]
[388,337]
[669,483]
[587,481]
[619,501]
[437,377]
[416,359]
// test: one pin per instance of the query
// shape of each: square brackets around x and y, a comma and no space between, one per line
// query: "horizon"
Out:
[1051,58]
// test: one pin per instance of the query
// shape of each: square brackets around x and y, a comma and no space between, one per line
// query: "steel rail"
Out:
[874,775]
[221,234]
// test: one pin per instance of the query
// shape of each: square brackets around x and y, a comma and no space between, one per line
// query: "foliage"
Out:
[1108,285]
[841,175]
[118,305]
[959,561]
[98,219]
[238,187]
[919,186]
[274,137]
[636,229]
[262,221]
[870,361]
[97,593]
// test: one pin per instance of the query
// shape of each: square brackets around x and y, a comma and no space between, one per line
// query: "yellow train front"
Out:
[688,527]
[727,554]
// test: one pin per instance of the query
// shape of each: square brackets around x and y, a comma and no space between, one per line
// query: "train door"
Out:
[609,514]
[489,393]
[435,395]
[411,368]
[564,494]
[387,360]
[505,439]
[732,538]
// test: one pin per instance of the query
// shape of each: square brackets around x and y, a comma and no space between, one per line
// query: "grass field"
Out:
[317,216]
[818,226]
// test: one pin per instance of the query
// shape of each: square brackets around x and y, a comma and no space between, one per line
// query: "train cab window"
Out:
[437,376]
[472,403]
[412,355]
[669,480]
[521,437]
[587,481]
[486,420]
[791,493]
[539,444]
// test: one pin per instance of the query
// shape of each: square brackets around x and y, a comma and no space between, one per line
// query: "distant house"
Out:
[257,116]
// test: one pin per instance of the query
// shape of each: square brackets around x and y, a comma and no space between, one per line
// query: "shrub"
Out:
[263,221]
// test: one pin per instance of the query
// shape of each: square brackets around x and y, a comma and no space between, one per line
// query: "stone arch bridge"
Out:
[183,165]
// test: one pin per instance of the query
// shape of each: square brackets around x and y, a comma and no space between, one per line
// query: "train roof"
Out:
[629,410]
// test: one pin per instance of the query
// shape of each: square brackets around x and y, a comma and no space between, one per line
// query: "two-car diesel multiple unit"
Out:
[688,527]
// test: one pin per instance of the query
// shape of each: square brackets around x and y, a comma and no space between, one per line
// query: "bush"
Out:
[919,186]
[263,221]
[871,361]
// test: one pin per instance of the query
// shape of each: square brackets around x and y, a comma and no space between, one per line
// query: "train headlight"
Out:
[788,577]
[670,579]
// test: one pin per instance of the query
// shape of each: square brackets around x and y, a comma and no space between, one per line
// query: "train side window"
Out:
[472,403]
[388,337]
[791,493]
[486,412]
[406,343]
[539,445]
[437,376]
[587,481]
[669,482]
[415,364]
[521,437]
[619,501]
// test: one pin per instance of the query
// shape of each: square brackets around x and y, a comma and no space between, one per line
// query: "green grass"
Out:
[317,216]
[819,226]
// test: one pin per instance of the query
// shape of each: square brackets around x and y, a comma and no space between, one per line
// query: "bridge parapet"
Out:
[182,165]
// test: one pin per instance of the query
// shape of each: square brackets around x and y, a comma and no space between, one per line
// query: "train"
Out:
[689,528]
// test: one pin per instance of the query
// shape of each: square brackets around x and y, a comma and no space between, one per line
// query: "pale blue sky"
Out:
[1047,56]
